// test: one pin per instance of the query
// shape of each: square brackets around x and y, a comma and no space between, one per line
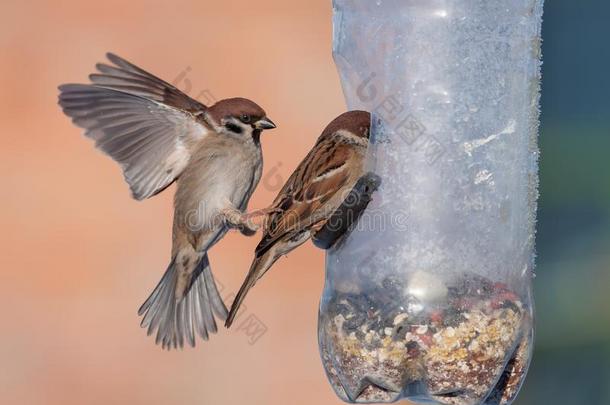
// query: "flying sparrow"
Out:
[311,195]
[159,135]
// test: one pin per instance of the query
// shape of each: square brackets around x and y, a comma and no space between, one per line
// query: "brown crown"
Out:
[356,122]
[236,107]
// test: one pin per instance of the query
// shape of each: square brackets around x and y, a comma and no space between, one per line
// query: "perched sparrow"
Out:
[160,135]
[311,195]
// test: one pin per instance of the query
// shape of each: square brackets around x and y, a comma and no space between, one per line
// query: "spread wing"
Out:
[144,123]
[306,198]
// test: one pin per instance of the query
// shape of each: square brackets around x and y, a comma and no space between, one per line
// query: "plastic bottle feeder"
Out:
[429,298]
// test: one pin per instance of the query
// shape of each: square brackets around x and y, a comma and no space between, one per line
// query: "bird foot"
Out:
[240,221]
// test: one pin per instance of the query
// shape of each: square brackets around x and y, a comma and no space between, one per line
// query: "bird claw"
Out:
[248,228]
[240,221]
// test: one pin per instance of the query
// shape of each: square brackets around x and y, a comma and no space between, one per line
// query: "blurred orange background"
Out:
[80,256]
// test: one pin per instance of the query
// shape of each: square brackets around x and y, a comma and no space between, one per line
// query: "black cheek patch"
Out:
[234,128]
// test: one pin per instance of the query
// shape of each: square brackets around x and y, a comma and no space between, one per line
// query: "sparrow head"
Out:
[239,117]
[356,122]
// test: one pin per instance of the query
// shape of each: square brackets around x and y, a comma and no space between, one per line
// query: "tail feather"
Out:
[264,259]
[214,296]
[176,320]
[208,321]
[258,268]
[200,327]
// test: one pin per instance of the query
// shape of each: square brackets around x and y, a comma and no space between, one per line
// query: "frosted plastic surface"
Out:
[454,88]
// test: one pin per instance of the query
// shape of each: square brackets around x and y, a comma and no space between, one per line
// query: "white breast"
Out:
[217,175]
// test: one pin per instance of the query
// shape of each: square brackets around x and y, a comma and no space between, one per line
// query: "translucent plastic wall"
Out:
[430,297]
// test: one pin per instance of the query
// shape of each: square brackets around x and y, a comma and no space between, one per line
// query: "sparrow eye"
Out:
[245,119]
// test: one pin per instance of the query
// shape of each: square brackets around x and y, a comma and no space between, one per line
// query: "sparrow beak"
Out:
[264,123]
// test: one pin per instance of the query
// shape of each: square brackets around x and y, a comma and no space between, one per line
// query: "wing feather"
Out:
[302,202]
[129,78]
[150,140]
[144,123]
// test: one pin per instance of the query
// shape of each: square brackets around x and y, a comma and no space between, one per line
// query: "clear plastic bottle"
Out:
[430,297]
